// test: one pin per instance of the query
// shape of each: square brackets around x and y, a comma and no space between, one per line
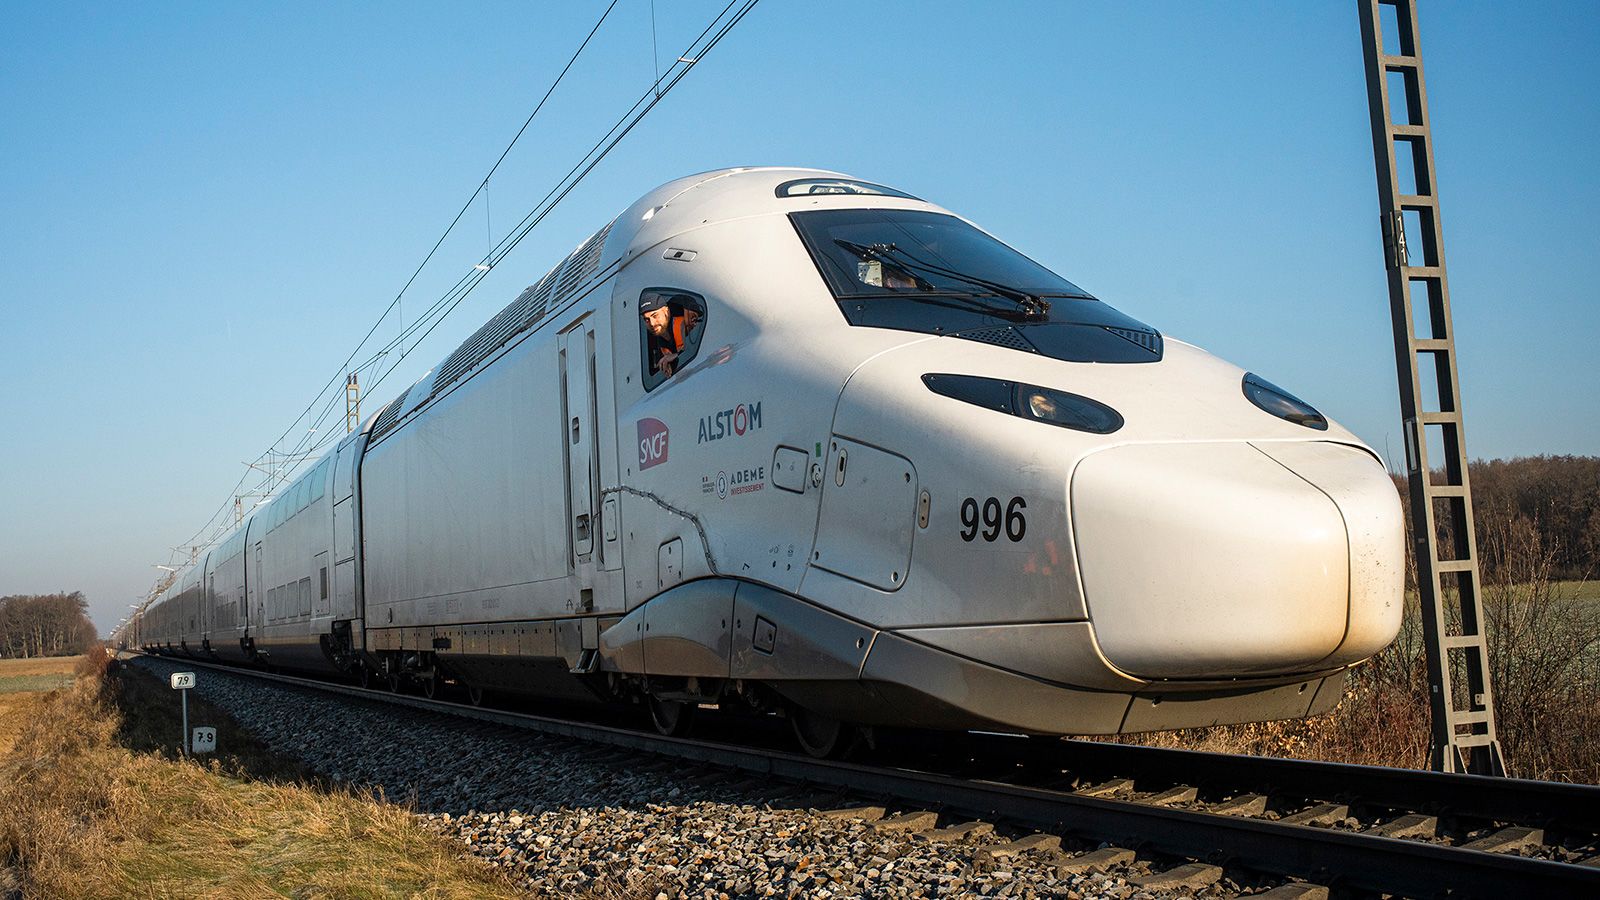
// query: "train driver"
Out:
[664,344]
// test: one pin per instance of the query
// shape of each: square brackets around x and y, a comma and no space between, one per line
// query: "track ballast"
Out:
[1354,829]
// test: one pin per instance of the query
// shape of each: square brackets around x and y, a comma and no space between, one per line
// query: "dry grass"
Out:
[15,712]
[1544,660]
[83,815]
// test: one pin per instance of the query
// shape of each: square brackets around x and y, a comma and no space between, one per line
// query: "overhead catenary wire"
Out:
[463,287]
[581,169]
[306,448]
[641,107]
[219,516]
[344,367]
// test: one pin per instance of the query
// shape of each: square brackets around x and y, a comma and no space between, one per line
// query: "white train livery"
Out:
[789,440]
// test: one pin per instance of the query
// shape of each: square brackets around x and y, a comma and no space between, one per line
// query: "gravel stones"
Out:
[713,849]
[567,819]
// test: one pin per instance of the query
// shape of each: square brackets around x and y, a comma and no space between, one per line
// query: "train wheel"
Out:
[391,682]
[672,717]
[820,736]
[474,695]
[364,675]
[431,685]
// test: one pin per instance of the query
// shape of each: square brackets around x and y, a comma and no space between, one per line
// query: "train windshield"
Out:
[896,252]
[912,270]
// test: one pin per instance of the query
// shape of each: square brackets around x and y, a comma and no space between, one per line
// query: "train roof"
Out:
[668,210]
[723,194]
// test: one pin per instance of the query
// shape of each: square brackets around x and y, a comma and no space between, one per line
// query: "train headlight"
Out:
[1028,401]
[1068,410]
[1273,399]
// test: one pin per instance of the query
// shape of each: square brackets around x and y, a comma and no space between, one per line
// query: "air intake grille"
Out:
[582,263]
[1150,340]
[386,419]
[1004,336]
[524,312]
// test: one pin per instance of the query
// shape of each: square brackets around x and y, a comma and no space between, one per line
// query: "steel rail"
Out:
[1574,807]
[1346,860]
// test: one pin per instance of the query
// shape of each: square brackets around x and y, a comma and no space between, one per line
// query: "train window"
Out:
[874,252]
[671,323]
[914,270]
[810,187]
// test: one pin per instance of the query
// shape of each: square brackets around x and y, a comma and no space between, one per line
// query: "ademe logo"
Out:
[652,443]
[730,422]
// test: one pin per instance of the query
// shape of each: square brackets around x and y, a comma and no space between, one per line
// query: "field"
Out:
[1579,590]
[94,802]
[42,674]
[21,684]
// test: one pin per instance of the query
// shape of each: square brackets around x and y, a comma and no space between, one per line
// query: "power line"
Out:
[657,91]
[343,370]
[440,309]
[596,154]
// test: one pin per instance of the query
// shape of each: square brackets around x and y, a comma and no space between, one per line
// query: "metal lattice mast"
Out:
[1448,578]
[352,403]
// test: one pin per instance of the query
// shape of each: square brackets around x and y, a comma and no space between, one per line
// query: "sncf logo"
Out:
[652,443]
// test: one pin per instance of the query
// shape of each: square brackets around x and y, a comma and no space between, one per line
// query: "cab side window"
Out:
[671,323]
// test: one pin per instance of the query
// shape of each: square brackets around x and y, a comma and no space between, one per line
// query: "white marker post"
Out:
[182,682]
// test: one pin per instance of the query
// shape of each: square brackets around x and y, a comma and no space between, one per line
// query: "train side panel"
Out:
[225,597]
[296,570]
[462,507]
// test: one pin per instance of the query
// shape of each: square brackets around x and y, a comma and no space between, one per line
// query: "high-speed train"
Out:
[787,440]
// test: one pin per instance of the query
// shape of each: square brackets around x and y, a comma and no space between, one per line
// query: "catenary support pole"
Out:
[1442,539]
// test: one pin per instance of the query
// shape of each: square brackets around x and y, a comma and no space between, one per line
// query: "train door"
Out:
[259,595]
[579,445]
[344,531]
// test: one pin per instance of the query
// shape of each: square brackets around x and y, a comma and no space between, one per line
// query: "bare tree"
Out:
[45,625]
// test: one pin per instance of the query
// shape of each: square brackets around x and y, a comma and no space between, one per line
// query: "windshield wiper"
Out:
[1030,305]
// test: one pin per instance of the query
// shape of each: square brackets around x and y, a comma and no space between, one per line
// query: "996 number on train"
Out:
[991,519]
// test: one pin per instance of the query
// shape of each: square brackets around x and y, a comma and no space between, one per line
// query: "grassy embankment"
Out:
[94,802]
[1544,651]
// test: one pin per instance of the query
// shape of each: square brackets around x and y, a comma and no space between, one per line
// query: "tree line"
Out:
[1553,501]
[1558,497]
[45,625]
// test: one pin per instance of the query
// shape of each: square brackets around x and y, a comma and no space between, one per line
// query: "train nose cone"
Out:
[1225,559]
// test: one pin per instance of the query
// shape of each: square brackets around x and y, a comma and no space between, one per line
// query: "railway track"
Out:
[1331,828]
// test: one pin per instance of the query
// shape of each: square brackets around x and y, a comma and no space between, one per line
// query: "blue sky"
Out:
[203,206]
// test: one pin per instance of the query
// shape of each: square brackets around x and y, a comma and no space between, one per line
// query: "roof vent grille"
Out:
[1150,340]
[524,312]
[386,419]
